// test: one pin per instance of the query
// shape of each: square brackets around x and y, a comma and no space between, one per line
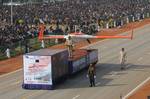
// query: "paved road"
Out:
[110,81]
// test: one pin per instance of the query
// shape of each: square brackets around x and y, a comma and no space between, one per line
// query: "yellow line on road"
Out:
[26,96]
[12,84]
[10,73]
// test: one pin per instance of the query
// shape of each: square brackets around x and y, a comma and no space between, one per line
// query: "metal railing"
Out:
[19,47]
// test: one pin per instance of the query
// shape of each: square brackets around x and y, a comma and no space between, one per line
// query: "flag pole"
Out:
[11,12]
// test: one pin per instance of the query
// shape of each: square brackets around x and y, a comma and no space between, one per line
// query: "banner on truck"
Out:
[37,70]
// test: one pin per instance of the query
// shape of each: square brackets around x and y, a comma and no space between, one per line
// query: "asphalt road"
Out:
[111,82]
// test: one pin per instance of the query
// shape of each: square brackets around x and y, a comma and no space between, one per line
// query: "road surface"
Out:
[111,82]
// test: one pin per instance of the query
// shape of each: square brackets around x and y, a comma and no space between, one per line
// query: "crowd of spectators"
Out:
[62,16]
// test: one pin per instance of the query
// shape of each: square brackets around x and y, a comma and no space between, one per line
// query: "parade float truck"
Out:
[45,68]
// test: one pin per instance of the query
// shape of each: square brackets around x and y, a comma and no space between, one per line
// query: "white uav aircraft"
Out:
[80,35]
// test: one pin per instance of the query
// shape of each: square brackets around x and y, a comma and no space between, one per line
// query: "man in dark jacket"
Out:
[91,75]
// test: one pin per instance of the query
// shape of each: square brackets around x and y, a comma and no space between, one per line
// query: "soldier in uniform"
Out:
[91,74]
[123,57]
[69,44]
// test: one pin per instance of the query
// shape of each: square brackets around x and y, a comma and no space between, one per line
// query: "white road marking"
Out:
[113,74]
[76,97]
[98,83]
[10,73]
[135,89]
[140,58]
[128,66]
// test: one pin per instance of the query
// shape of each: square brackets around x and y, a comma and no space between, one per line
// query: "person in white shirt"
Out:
[123,57]
[42,44]
[8,53]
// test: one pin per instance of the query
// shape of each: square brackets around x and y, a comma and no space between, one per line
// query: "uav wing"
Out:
[81,35]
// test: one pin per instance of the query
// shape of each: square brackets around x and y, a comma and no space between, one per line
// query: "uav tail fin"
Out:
[41,32]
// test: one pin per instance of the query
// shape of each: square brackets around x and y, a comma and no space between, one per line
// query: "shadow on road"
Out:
[111,70]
